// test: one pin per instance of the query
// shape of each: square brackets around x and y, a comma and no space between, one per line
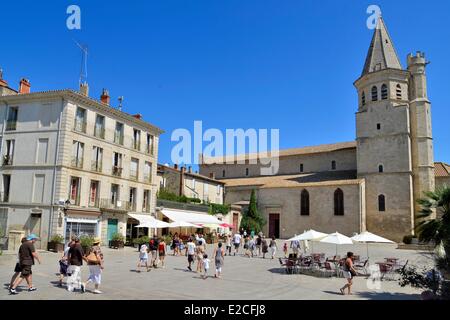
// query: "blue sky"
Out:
[283,64]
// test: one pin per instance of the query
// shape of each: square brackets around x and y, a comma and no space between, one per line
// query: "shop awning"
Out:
[191,217]
[147,221]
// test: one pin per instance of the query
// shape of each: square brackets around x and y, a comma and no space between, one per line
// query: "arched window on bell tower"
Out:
[363,98]
[381,203]
[384,92]
[374,93]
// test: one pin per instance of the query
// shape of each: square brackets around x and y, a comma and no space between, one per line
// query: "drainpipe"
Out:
[52,201]
[3,136]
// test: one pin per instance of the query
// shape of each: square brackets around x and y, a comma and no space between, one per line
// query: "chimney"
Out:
[24,86]
[105,97]
[84,89]
[190,169]
[175,166]
[138,116]
[212,175]
[3,83]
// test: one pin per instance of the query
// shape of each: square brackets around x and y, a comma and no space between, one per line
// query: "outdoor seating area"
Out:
[320,265]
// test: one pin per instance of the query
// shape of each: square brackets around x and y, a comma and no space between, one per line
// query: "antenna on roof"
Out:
[83,68]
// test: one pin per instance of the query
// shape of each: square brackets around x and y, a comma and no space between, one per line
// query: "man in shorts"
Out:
[237,242]
[190,251]
[27,254]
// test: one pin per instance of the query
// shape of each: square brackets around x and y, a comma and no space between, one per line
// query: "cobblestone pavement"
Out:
[243,278]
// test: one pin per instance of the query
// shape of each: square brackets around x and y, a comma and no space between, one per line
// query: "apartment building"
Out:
[73,165]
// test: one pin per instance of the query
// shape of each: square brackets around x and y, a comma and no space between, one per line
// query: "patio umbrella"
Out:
[369,237]
[337,239]
[180,224]
[227,225]
[151,222]
[312,235]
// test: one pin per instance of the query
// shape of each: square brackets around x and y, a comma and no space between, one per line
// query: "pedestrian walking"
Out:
[218,259]
[228,244]
[64,263]
[205,262]
[199,252]
[75,257]
[285,249]
[17,268]
[237,242]
[162,252]
[190,252]
[295,246]
[273,247]
[264,247]
[349,272]
[143,258]
[153,246]
[95,263]
[258,245]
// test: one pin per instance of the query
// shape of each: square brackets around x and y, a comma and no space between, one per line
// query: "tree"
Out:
[436,230]
[252,220]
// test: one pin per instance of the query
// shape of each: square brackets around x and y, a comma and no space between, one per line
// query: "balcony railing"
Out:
[11,125]
[4,196]
[93,204]
[149,149]
[77,162]
[96,166]
[116,171]
[80,126]
[7,160]
[99,132]
[133,175]
[148,178]
[182,205]
[113,204]
[74,201]
[136,144]
[118,138]
[131,206]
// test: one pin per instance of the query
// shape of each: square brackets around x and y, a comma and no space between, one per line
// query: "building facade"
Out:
[73,165]
[372,183]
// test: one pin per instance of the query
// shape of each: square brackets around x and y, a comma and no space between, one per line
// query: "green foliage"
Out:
[252,220]
[436,230]
[141,240]
[117,237]
[408,239]
[165,194]
[86,241]
[167,239]
[57,238]
[421,279]
[215,208]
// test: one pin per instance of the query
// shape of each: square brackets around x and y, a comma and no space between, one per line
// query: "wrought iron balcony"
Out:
[80,126]
[116,171]
[77,162]
[7,160]
[136,144]
[96,166]
[11,125]
[114,204]
[118,138]
[99,132]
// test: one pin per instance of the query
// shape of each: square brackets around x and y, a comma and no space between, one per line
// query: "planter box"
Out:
[55,247]
[116,244]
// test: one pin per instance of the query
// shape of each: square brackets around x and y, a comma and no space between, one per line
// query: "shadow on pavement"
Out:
[387,296]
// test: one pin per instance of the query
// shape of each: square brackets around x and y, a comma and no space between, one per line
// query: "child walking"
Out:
[143,258]
[162,251]
[285,249]
[205,266]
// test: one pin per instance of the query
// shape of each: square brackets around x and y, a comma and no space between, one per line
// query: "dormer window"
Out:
[384,92]
[374,93]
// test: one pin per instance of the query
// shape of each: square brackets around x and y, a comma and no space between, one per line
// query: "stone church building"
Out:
[372,183]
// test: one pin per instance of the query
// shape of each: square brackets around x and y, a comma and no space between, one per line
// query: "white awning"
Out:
[190,216]
[142,218]
[147,221]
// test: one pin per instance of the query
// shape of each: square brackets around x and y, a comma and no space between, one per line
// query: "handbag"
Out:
[92,258]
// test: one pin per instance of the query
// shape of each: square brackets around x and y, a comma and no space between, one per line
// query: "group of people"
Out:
[253,245]
[156,249]
[196,250]
[70,265]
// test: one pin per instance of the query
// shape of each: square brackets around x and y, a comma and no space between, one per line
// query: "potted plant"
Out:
[138,242]
[117,241]
[86,242]
[56,243]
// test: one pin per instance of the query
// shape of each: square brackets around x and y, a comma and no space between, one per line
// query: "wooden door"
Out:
[274,225]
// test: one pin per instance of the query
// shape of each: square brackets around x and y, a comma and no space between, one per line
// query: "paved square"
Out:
[243,278]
